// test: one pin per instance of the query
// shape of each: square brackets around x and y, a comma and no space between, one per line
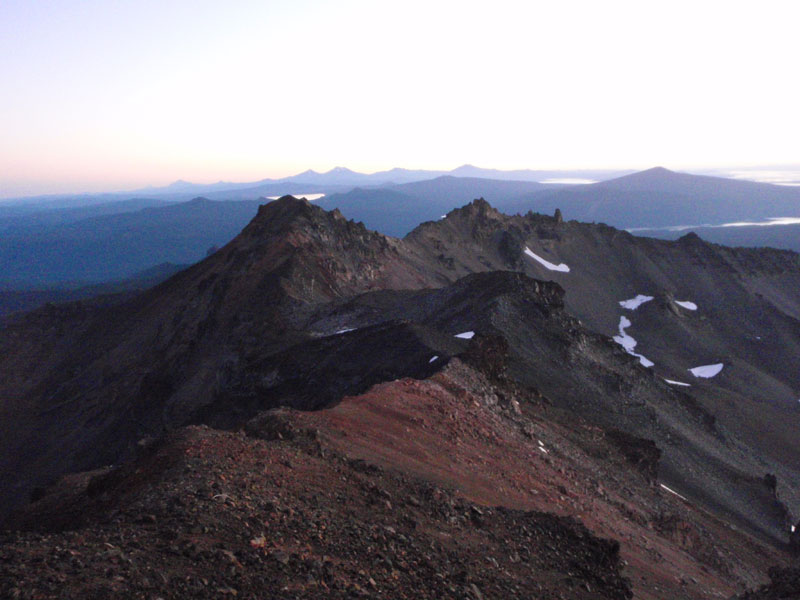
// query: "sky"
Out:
[108,95]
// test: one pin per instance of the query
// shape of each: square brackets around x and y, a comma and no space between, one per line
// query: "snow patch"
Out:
[467,335]
[433,359]
[670,381]
[635,303]
[671,491]
[686,304]
[345,330]
[623,339]
[562,267]
[627,342]
[707,371]
[542,448]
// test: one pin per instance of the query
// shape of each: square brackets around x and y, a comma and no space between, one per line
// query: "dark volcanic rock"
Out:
[261,324]
[488,354]
[641,453]
[196,518]
[784,585]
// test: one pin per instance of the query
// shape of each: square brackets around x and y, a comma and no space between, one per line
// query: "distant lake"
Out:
[308,197]
[774,221]
[774,176]
[767,223]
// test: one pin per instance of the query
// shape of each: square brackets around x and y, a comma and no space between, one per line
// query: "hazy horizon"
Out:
[113,97]
[788,175]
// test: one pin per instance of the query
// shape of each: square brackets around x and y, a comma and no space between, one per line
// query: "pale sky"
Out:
[104,95]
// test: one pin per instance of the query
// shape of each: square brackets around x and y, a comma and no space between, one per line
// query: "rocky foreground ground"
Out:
[450,487]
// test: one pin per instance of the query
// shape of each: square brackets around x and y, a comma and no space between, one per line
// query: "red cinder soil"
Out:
[454,430]
[450,487]
[210,514]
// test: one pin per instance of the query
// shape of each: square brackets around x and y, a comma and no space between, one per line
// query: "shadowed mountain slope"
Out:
[304,308]
[166,349]
[418,489]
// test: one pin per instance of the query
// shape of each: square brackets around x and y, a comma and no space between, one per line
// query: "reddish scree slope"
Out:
[415,489]
[455,429]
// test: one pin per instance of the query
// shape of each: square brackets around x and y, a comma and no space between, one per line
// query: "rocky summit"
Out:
[493,406]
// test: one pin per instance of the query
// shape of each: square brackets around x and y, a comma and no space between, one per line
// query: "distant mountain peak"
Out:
[648,177]
[466,168]
[180,184]
[658,170]
[651,172]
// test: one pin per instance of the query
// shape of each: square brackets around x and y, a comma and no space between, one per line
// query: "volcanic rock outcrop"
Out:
[508,321]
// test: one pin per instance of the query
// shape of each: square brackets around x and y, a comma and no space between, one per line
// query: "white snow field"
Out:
[635,303]
[686,304]
[627,342]
[467,335]
[672,382]
[707,371]
[563,268]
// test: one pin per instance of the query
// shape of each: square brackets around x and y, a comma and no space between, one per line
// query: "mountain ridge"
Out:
[55,246]
[305,309]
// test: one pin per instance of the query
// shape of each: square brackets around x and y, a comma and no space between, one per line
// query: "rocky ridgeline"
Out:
[209,514]
[306,310]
